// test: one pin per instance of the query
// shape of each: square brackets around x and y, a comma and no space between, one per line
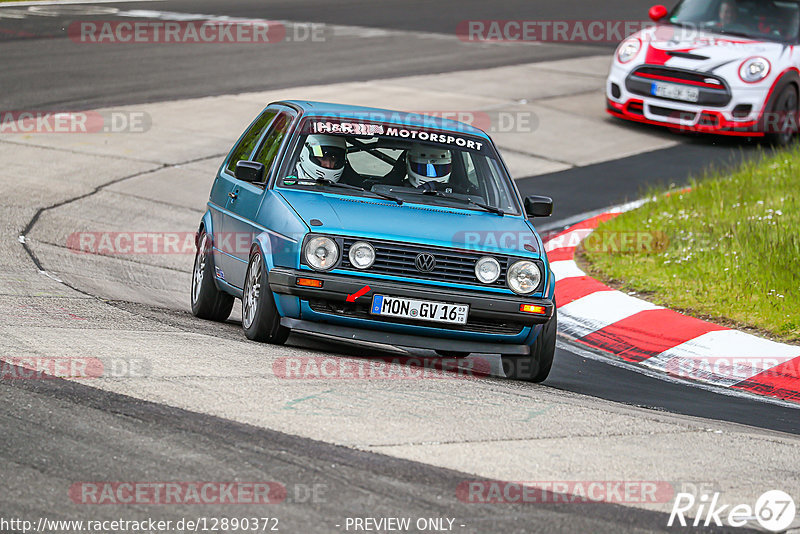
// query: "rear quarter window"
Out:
[250,139]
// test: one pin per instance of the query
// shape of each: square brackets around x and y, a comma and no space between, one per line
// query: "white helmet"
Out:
[428,164]
[323,156]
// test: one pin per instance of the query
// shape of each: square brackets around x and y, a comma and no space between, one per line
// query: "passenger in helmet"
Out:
[428,164]
[322,156]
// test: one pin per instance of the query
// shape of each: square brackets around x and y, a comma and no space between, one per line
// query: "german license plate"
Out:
[675,92]
[420,310]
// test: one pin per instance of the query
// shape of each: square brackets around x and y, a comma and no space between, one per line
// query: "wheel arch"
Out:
[790,76]
[287,305]
[205,226]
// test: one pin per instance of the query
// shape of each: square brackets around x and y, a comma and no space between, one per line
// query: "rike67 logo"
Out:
[775,511]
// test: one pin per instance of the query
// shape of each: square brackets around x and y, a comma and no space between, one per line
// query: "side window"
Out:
[272,142]
[248,142]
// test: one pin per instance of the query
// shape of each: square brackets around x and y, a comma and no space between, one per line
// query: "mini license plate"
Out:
[675,92]
[420,310]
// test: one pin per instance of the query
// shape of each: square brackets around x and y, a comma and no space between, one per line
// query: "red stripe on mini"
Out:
[677,80]
[647,334]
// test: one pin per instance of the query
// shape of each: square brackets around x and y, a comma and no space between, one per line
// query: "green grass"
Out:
[728,250]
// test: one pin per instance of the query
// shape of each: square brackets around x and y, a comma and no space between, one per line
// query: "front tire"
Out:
[784,118]
[208,302]
[260,318]
[535,367]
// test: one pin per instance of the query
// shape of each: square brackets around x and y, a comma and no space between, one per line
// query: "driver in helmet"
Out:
[428,165]
[727,13]
[322,157]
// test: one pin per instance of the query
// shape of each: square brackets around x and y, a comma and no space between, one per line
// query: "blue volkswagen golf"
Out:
[377,226]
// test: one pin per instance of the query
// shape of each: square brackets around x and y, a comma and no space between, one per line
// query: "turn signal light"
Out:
[532,308]
[309,282]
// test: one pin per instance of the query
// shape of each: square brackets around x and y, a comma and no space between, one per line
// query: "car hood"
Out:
[372,218]
[719,49]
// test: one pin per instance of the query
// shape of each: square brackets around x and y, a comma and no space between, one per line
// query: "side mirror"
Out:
[250,171]
[538,206]
[657,12]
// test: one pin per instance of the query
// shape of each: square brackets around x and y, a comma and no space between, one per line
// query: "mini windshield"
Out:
[774,20]
[413,164]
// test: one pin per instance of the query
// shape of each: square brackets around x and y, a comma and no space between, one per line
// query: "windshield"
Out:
[412,164]
[758,19]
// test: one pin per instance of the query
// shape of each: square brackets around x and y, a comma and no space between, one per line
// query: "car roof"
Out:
[419,119]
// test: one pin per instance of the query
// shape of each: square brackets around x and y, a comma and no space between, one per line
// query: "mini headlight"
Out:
[754,69]
[628,50]
[362,255]
[487,269]
[524,277]
[321,253]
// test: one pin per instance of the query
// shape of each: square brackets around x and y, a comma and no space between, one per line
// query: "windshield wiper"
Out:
[737,34]
[331,183]
[468,200]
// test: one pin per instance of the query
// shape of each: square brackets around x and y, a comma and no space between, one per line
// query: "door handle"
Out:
[233,196]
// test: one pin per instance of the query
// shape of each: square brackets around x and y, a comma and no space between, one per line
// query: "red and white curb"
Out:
[662,340]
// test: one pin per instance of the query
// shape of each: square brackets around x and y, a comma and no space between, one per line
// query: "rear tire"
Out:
[785,111]
[208,302]
[535,367]
[260,318]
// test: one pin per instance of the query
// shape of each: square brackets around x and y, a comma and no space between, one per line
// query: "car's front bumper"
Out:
[495,323]
[719,119]
[703,121]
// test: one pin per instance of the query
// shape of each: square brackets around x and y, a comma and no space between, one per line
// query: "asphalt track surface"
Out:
[74,422]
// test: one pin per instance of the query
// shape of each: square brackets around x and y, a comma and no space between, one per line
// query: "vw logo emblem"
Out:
[425,262]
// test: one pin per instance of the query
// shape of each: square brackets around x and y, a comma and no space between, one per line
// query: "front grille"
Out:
[713,89]
[361,311]
[686,77]
[397,259]
[673,113]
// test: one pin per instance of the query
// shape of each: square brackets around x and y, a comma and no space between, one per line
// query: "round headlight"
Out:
[754,69]
[628,50]
[362,255]
[321,253]
[524,277]
[487,269]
